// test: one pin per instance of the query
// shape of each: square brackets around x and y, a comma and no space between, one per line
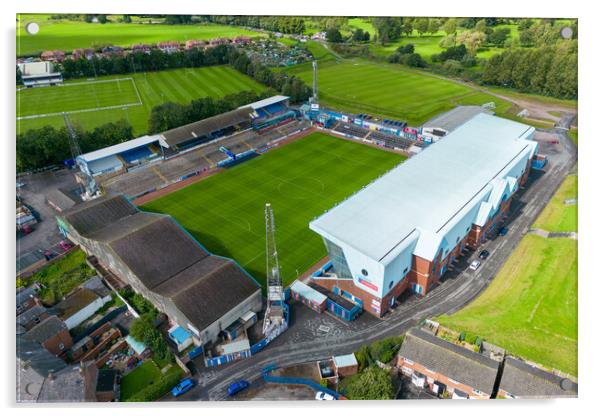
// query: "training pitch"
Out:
[91,103]
[301,180]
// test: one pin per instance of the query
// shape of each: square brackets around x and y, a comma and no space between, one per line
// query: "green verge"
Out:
[530,308]
[301,180]
[557,216]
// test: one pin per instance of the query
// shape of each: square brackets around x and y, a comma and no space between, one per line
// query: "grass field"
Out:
[390,90]
[140,378]
[301,180]
[557,216]
[68,35]
[177,85]
[530,308]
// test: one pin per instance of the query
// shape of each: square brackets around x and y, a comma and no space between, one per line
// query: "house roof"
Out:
[106,379]
[451,360]
[45,330]
[75,302]
[30,314]
[25,294]
[96,285]
[308,292]
[526,381]
[395,212]
[33,355]
[206,126]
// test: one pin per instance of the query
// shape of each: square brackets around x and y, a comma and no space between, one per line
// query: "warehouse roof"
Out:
[167,260]
[95,215]
[451,360]
[204,127]
[424,194]
[525,381]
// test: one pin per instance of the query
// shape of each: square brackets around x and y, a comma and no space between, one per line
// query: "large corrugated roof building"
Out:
[425,208]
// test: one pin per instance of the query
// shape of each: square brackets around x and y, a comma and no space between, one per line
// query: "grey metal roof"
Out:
[206,126]
[453,361]
[66,385]
[168,261]
[452,119]
[526,381]
[45,329]
[94,215]
[415,200]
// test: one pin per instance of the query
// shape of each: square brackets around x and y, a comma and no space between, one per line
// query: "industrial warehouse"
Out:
[403,230]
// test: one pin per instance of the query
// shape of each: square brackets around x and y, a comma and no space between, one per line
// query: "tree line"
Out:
[46,146]
[283,24]
[170,115]
[288,85]
[547,70]
[156,60]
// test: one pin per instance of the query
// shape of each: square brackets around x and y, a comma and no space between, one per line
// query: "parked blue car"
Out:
[503,231]
[237,387]
[182,387]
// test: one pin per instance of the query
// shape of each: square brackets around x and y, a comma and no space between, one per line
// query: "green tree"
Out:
[450,26]
[334,35]
[481,26]
[373,383]
[421,24]
[102,18]
[126,18]
[499,36]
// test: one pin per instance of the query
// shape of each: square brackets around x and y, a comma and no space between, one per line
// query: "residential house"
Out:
[190,44]
[442,366]
[80,53]
[168,47]
[53,56]
[32,317]
[521,380]
[142,48]
[26,299]
[52,334]
[79,305]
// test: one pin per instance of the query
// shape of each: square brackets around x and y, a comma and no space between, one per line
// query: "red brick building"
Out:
[52,334]
[446,369]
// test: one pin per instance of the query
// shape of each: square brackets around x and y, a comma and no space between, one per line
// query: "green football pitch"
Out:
[301,180]
[389,90]
[111,98]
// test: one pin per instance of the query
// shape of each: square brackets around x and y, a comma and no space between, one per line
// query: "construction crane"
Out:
[274,314]
[89,188]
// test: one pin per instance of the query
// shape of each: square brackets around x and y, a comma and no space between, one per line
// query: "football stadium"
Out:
[353,221]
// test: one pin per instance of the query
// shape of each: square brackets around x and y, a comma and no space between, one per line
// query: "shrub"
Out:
[373,383]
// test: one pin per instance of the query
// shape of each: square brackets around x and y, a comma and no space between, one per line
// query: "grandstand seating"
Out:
[136,155]
[392,141]
[351,129]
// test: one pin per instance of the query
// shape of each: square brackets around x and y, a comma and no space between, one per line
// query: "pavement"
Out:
[305,341]
[31,247]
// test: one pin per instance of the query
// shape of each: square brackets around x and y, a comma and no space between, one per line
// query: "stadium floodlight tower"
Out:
[314,65]
[274,314]
[90,189]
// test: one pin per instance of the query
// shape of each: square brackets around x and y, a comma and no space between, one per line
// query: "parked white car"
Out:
[474,265]
[323,396]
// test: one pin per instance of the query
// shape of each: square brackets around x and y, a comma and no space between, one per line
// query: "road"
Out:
[461,286]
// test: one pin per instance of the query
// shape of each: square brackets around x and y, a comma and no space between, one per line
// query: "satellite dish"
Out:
[566,32]
[32,28]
